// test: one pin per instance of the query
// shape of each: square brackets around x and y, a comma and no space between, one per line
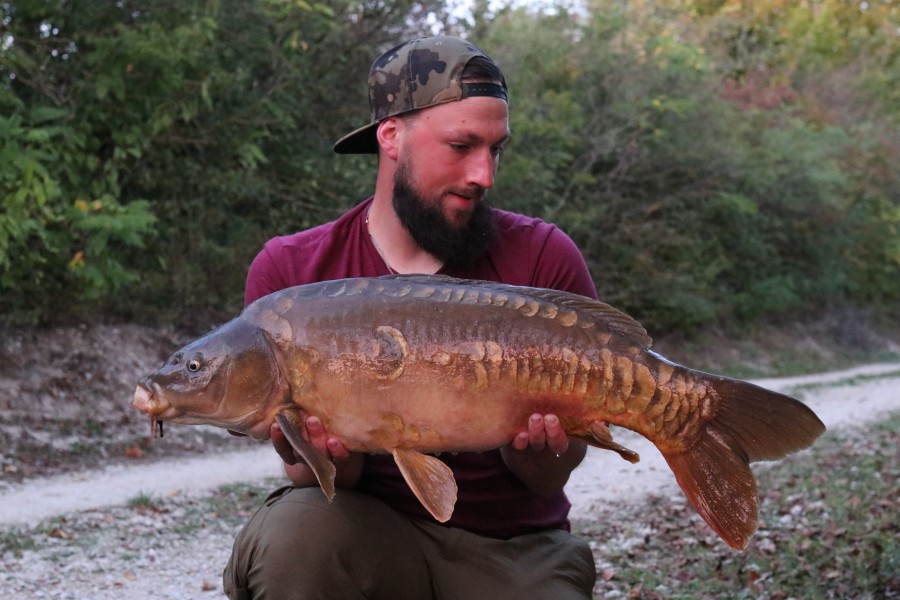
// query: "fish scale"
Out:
[413,365]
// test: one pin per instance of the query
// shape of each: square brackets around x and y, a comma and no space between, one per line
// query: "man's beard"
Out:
[455,245]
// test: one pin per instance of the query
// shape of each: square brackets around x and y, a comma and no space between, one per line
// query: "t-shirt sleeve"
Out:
[560,265]
[263,277]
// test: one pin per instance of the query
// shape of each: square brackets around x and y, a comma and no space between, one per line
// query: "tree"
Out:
[190,131]
[699,190]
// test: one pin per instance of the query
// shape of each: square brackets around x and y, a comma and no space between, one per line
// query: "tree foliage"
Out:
[699,160]
[192,131]
[717,161]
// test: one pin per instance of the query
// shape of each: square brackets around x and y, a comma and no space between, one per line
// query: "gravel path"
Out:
[160,530]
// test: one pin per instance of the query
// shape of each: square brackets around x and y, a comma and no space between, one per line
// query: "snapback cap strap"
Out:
[494,90]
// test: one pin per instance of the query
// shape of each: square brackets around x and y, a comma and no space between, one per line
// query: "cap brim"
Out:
[360,141]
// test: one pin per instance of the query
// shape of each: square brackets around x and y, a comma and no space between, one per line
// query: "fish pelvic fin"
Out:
[601,437]
[291,425]
[430,480]
[750,424]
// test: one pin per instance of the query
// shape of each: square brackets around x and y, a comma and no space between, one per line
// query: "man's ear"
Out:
[388,134]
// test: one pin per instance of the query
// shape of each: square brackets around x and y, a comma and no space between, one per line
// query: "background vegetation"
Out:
[718,161]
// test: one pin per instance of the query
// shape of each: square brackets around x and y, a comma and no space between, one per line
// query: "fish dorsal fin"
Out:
[602,314]
[291,425]
[430,480]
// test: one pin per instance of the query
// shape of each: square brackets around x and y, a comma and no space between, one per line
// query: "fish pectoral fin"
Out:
[291,425]
[601,437]
[430,480]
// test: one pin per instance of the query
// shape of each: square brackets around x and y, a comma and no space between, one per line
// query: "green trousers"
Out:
[300,546]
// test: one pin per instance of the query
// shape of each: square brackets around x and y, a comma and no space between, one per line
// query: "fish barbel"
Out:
[412,365]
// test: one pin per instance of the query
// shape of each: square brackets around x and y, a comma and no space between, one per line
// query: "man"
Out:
[439,124]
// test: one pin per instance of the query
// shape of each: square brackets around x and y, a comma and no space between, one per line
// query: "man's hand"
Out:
[544,431]
[314,432]
[543,456]
[349,466]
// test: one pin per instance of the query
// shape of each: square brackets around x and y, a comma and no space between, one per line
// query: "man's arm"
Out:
[543,456]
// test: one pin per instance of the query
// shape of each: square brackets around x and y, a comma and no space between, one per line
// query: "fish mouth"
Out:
[147,401]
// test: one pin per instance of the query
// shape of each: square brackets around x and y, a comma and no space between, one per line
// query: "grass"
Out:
[232,504]
[142,501]
[829,528]
[16,541]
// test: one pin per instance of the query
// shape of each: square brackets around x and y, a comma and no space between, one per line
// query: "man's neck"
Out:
[393,241]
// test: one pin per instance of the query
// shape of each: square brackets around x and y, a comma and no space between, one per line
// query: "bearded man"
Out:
[439,125]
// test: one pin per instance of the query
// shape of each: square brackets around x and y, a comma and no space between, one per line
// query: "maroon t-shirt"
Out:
[526,251]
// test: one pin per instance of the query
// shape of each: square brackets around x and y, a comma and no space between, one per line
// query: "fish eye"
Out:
[193,365]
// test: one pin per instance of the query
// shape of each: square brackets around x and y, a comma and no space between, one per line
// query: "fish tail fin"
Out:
[750,424]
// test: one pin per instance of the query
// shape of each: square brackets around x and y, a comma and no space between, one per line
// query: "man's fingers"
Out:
[336,449]
[520,442]
[557,440]
[323,442]
[537,437]
[544,431]
[316,432]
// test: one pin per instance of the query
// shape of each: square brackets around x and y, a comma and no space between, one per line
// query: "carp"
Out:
[418,365]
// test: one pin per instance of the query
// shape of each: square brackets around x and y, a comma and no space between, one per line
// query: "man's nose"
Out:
[481,169]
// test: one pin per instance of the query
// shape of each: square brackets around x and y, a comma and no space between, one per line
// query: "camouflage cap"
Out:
[414,75]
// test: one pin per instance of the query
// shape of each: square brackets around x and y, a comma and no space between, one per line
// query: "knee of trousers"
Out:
[302,523]
[299,538]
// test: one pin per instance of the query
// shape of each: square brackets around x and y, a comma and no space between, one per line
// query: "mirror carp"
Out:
[416,365]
